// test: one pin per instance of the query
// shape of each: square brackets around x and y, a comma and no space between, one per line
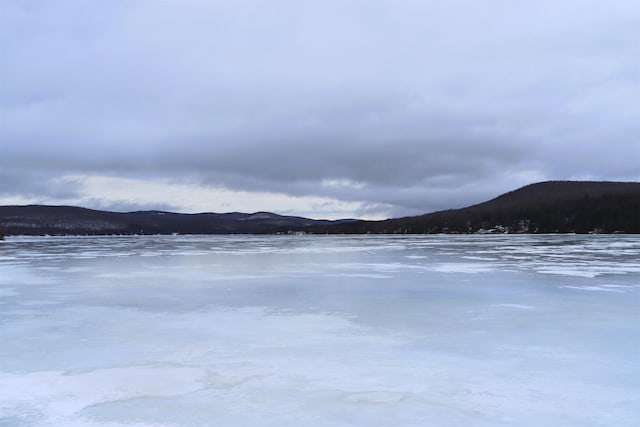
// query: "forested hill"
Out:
[70,220]
[547,207]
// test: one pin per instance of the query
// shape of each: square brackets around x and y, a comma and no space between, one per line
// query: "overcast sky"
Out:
[321,109]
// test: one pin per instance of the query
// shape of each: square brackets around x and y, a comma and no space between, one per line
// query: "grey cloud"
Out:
[29,183]
[426,105]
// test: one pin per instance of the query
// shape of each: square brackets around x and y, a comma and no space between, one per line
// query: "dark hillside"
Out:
[35,219]
[65,220]
[547,207]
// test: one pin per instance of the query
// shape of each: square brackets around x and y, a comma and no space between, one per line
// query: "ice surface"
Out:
[320,331]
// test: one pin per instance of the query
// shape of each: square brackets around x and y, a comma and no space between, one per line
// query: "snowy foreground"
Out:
[320,331]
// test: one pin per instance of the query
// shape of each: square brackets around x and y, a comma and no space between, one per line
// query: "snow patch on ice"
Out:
[59,394]
[592,288]
[362,275]
[374,397]
[470,268]
[518,306]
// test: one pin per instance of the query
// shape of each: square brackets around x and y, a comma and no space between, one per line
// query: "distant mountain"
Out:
[70,220]
[546,207]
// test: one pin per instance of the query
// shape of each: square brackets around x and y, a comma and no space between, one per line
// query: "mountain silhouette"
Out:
[546,207]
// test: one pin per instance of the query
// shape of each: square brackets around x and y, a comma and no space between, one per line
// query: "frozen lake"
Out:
[320,331]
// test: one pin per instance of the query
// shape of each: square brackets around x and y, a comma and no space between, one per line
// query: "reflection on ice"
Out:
[317,331]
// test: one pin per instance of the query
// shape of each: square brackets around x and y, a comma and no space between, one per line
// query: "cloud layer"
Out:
[398,107]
